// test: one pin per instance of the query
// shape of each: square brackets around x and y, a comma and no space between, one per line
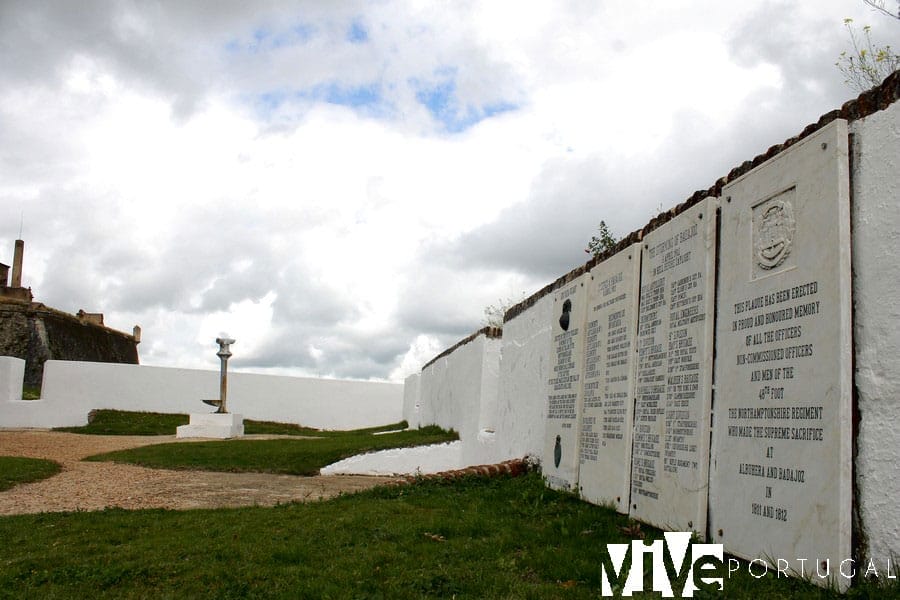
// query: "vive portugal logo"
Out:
[705,569]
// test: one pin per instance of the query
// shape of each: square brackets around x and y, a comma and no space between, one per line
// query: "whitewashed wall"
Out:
[524,371]
[447,391]
[875,220]
[459,391]
[411,400]
[71,389]
[492,391]
[12,374]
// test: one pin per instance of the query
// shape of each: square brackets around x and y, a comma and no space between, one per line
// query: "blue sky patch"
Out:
[356,97]
[357,33]
[264,38]
[364,98]
[441,100]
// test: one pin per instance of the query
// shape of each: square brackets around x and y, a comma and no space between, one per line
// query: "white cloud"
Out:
[344,190]
[421,350]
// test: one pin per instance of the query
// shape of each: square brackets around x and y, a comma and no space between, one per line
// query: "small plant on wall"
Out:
[866,64]
[601,242]
[493,313]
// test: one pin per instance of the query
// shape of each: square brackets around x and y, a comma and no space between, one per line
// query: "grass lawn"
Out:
[472,538]
[289,456]
[292,457]
[16,469]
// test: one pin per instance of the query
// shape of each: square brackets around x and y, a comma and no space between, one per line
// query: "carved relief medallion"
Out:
[773,233]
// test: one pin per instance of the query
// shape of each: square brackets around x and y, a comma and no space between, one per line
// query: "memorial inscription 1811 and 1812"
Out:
[780,480]
[608,384]
[670,461]
[559,463]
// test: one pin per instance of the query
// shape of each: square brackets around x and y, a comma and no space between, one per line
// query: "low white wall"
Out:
[493,391]
[482,449]
[71,389]
[12,374]
[875,218]
[411,400]
[524,372]
[453,389]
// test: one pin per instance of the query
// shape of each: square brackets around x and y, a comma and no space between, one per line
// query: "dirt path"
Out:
[98,485]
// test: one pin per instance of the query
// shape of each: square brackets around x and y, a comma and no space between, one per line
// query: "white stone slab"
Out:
[418,460]
[670,461]
[607,419]
[781,479]
[212,425]
[559,463]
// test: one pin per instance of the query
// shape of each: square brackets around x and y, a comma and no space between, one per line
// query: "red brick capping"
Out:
[488,332]
[512,468]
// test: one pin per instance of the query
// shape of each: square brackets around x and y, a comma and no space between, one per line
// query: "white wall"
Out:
[493,391]
[12,374]
[481,449]
[453,390]
[524,372]
[411,400]
[875,224]
[71,389]
[447,390]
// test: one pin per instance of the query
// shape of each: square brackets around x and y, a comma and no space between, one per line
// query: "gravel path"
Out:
[98,485]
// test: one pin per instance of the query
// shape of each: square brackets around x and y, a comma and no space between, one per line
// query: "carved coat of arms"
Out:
[775,234]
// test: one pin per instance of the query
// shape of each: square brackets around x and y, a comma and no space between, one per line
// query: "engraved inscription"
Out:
[607,414]
[672,311]
[670,447]
[772,329]
[563,409]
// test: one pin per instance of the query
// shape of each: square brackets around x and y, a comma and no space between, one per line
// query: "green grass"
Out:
[31,392]
[473,538]
[272,428]
[293,457]
[119,422]
[16,469]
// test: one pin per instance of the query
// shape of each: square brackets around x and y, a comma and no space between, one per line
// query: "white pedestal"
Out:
[212,425]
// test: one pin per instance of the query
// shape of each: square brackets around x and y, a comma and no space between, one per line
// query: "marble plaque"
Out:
[559,463]
[607,415]
[781,472]
[670,459]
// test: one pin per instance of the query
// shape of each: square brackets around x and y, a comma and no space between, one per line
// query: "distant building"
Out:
[14,289]
[37,333]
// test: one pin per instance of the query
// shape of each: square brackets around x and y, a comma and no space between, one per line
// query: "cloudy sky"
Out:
[344,186]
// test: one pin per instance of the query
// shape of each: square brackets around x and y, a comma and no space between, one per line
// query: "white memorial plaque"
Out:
[608,383]
[560,461]
[781,471]
[670,460]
